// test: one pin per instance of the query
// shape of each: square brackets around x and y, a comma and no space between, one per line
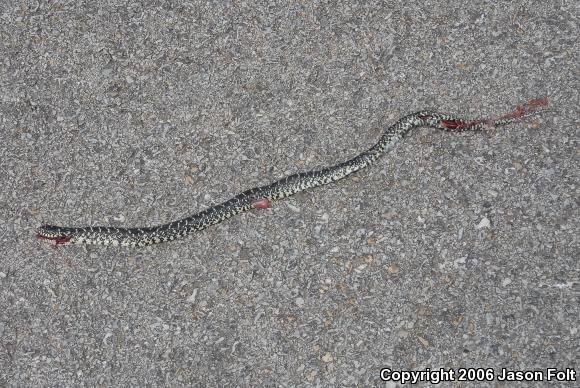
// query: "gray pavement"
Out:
[453,251]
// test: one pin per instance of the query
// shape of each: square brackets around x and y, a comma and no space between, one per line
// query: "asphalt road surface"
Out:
[453,251]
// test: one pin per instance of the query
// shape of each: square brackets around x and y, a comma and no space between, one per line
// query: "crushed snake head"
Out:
[53,234]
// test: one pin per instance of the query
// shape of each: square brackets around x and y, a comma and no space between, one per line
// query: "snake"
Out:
[262,197]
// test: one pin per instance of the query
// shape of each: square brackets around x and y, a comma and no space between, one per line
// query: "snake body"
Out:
[261,197]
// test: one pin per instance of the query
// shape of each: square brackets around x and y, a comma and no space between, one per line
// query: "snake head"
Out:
[53,234]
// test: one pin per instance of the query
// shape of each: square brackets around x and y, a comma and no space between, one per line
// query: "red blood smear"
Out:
[61,240]
[537,102]
[528,107]
[451,124]
[454,124]
[261,203]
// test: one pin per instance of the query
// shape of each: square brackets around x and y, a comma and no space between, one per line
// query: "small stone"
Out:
[295,209]
[299,302]
[327,357]
[484,223]
[457,321]
[423,341]
[191,298]
[393,268]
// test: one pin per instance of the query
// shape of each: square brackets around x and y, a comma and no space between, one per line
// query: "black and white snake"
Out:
[261,197]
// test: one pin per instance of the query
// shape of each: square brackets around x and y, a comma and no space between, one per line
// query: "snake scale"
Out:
[261,197]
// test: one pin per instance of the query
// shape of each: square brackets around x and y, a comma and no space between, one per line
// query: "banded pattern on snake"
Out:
[261,197]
